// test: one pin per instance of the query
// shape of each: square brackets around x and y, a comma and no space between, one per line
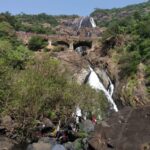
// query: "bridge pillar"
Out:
[71,46]
[49,43]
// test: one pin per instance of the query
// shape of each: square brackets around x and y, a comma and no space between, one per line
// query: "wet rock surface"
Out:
[103,76]
[127,130]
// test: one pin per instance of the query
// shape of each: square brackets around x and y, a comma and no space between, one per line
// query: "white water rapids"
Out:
[96,84]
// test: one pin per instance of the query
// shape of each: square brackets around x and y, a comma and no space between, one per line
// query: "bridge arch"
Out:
[87,44]
[60,43]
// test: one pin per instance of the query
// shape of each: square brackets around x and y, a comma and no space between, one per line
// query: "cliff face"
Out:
[126,130]
[130,89]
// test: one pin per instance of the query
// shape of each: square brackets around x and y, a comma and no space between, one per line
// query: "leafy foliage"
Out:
[128,38]
[37,43]
[31,88]
[105,17]
[6,29]
[43,89]
[41,23]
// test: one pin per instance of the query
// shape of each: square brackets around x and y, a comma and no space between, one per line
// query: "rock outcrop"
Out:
[127,130]
[6,143]
[43,144]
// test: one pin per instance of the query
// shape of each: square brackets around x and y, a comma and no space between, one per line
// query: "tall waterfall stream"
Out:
[93,79]
[96,84]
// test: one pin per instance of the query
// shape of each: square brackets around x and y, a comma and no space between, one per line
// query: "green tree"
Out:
[37,43]
[18,57]
[6,29]
[43,89]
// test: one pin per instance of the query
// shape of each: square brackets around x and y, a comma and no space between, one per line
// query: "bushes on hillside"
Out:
[13,56]
[6,29]
[135,49]
[128,63]
[58,48]
[43,89]
[37,43]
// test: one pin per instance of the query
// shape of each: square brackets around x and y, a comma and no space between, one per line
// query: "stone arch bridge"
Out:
[71,42]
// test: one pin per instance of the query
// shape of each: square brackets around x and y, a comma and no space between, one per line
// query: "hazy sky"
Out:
[55,7]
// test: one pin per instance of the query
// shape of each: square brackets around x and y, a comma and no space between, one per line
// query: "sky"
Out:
[57,7]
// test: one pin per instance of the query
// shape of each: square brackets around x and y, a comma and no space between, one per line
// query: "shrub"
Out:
[128,63]
[43,89]
[58,48]
[37,43]
[14,56]
[6,29]
[18,57]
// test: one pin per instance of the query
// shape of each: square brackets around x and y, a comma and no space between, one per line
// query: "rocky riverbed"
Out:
[127,130]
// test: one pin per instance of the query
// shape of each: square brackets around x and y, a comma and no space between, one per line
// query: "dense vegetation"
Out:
[36,85]
[129,37]
[104,17]
[37,43]
[41,23]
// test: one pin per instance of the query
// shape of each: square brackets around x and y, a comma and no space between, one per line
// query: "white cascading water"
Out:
[80,23]
[95,83]
[111,87]
[92,22]
[79,49]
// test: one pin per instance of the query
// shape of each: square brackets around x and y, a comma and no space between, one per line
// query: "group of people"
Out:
[70,129]
[69,132]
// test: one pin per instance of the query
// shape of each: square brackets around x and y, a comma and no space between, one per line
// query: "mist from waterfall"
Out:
[96,84]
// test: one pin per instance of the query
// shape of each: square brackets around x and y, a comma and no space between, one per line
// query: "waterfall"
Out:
[92,22]
[95,83]
[86,22]
[79,50]
[111,87]
[80,23]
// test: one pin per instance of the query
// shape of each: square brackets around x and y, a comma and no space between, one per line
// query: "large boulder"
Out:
[39,146]
[69,146]
[44,143]
[103,76]
[6,143]
[87,126]
[58,147]
[82,76]
[78,144]
[127,130]
[48,123]
[7,126]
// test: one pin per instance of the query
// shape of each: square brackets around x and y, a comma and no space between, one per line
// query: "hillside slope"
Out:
[104,17]
[126,45]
